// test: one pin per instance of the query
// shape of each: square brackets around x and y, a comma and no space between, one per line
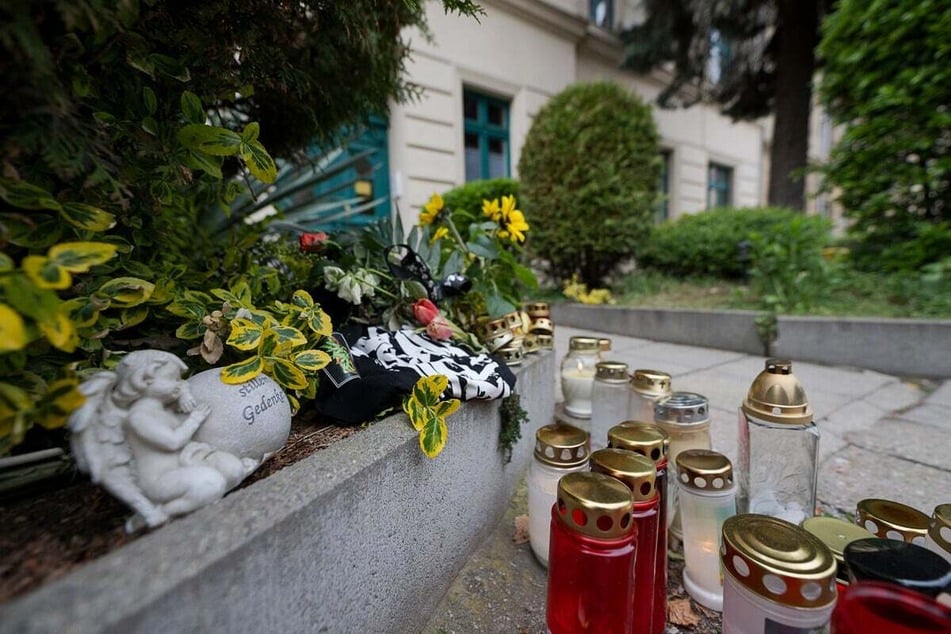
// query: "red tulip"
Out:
[312,242]
[439,329]
[425,311]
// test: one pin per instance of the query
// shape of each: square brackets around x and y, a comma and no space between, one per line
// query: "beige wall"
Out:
[525,51]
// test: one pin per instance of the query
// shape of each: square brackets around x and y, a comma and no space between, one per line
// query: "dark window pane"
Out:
[496,114]
[470,106]
[473,158]
[497,158]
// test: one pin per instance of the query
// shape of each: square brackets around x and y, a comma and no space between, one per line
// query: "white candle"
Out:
[576,387]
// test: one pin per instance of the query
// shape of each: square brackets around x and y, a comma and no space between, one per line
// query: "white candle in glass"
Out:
[577,385]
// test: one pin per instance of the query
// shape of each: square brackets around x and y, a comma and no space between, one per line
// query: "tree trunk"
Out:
[795,62]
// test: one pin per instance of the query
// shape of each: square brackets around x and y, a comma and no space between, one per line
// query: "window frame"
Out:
[723,189]
[485,131]
[608,18]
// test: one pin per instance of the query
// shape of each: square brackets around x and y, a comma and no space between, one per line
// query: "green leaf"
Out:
[209,139]
[82,311]
[338,353]
[191,107]
[311,360]
[287,374]
[60,332]
[6,263]
[288,336]
[149,99]
[259,162]
[150,125]
[208,164]
[432,437]
[26,196]
[428,389]
[126,291]
[251,132]
[242,370]
[45,273]
[190,330]
[245,334]
[302,299]
[12,330]
[185,308]
[87,217]
[132,316]
[170,66]
[79,257]
[39,303]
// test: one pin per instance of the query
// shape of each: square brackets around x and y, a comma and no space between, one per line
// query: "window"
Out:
[486,130]
[719,186]
[601,12]
[719,58]
[662,209]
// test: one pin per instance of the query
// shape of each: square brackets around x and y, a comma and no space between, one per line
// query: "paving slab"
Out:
[853,416]
[930,414]
[911,441]
[941,396]
[898,395]
[853,474]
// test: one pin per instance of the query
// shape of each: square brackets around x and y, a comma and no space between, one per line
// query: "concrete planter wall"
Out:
[904,347]
[364,536]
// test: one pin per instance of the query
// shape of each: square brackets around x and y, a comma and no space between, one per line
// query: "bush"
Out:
[708,243]
[589,170]
[465,201]
[885,78]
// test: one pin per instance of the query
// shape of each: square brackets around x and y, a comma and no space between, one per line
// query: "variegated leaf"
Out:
[287,374]
[242,370]
[311,360]
[245,334]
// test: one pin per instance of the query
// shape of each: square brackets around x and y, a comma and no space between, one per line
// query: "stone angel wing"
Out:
[99,446]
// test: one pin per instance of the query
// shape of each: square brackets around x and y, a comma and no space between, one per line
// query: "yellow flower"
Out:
[515,226]
[431,210]
[508,206]
[439,234]
[490,209]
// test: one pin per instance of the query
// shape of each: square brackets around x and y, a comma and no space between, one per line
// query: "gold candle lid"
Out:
[777,396]
[604,344]
[892,520]
[836,534]
[644,438]
[537,309]
[587,344]
[682,409]
[561,445]
[634,470]
[778,560]
[704,470]
[940,528]
[595,505]
[651,383]
[611,371]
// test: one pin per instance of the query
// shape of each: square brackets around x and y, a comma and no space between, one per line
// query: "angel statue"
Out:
[134,436]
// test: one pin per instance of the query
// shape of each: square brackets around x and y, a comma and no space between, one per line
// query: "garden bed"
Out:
[364,535]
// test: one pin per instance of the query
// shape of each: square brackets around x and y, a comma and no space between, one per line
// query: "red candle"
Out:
[869,607]
[591,556]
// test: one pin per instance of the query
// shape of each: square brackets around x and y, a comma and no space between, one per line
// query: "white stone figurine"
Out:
[135,436]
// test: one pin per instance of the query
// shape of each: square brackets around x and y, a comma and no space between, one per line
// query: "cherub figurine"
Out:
[134,435]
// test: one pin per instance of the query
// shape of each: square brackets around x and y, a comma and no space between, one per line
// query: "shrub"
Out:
[589,171]
[708,243]
[466,200]
[885,79]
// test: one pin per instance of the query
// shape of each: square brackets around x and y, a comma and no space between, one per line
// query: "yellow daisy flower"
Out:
[515,226]
[431,210]
[490,209]
[508,206]
[439,234]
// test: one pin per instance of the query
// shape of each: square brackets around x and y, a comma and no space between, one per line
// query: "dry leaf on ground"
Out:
[520,536]
[679,612]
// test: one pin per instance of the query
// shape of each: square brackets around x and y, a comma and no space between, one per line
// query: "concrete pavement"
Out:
[881,436]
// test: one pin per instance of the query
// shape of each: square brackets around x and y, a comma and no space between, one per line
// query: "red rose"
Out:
[425,311]
[439,329]
[312,242]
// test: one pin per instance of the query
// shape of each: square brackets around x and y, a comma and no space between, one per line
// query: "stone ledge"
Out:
[365,536]
[904,347]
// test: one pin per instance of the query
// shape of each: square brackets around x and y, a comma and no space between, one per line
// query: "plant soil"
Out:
[44,536]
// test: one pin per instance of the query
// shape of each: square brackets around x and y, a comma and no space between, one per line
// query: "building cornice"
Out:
[558,21]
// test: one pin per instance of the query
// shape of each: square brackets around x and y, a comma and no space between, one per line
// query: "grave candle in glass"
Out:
[591,561]
[646,387]
[608,400]
[900,563]
[777,577]
[836,534]
[639,474]
[892,520]
[870,607]
[939,531]
[778,447]
[559,449]
[707,498]
[577,375]
[685,417]
[652,442]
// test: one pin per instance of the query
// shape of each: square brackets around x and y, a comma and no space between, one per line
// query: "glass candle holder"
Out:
[870,607]
[707,499]
[651,442]
[939,531]
[559,449]
[577,375]
[608,400]
[892,520]
[639,475]
[900,563]
[591,565]
[645,388]
[777,577]
[836,534]
[685,417]
[778,447]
